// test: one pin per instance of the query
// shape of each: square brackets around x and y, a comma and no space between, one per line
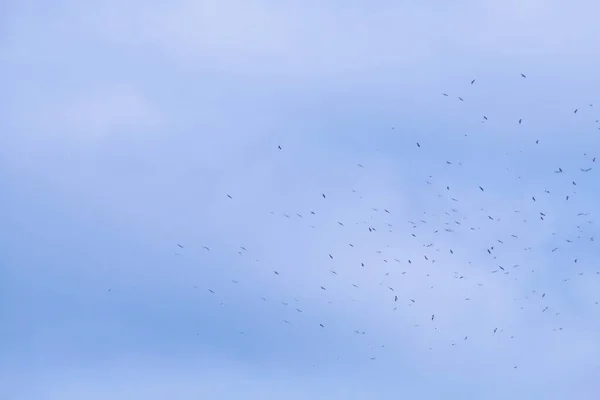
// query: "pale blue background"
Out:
[124,125]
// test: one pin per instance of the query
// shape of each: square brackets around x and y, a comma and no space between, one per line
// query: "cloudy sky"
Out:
[124,126]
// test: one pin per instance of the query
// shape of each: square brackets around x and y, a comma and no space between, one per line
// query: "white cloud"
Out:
[107,110]
[314,38]
[305,39]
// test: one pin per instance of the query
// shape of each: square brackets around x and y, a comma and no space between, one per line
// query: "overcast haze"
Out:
[125,126]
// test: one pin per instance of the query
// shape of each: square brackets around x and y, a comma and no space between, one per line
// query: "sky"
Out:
[135,134]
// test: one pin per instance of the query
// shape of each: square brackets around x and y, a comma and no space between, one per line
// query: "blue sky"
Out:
[125,126]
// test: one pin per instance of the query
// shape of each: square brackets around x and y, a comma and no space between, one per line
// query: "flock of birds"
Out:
[460,226]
